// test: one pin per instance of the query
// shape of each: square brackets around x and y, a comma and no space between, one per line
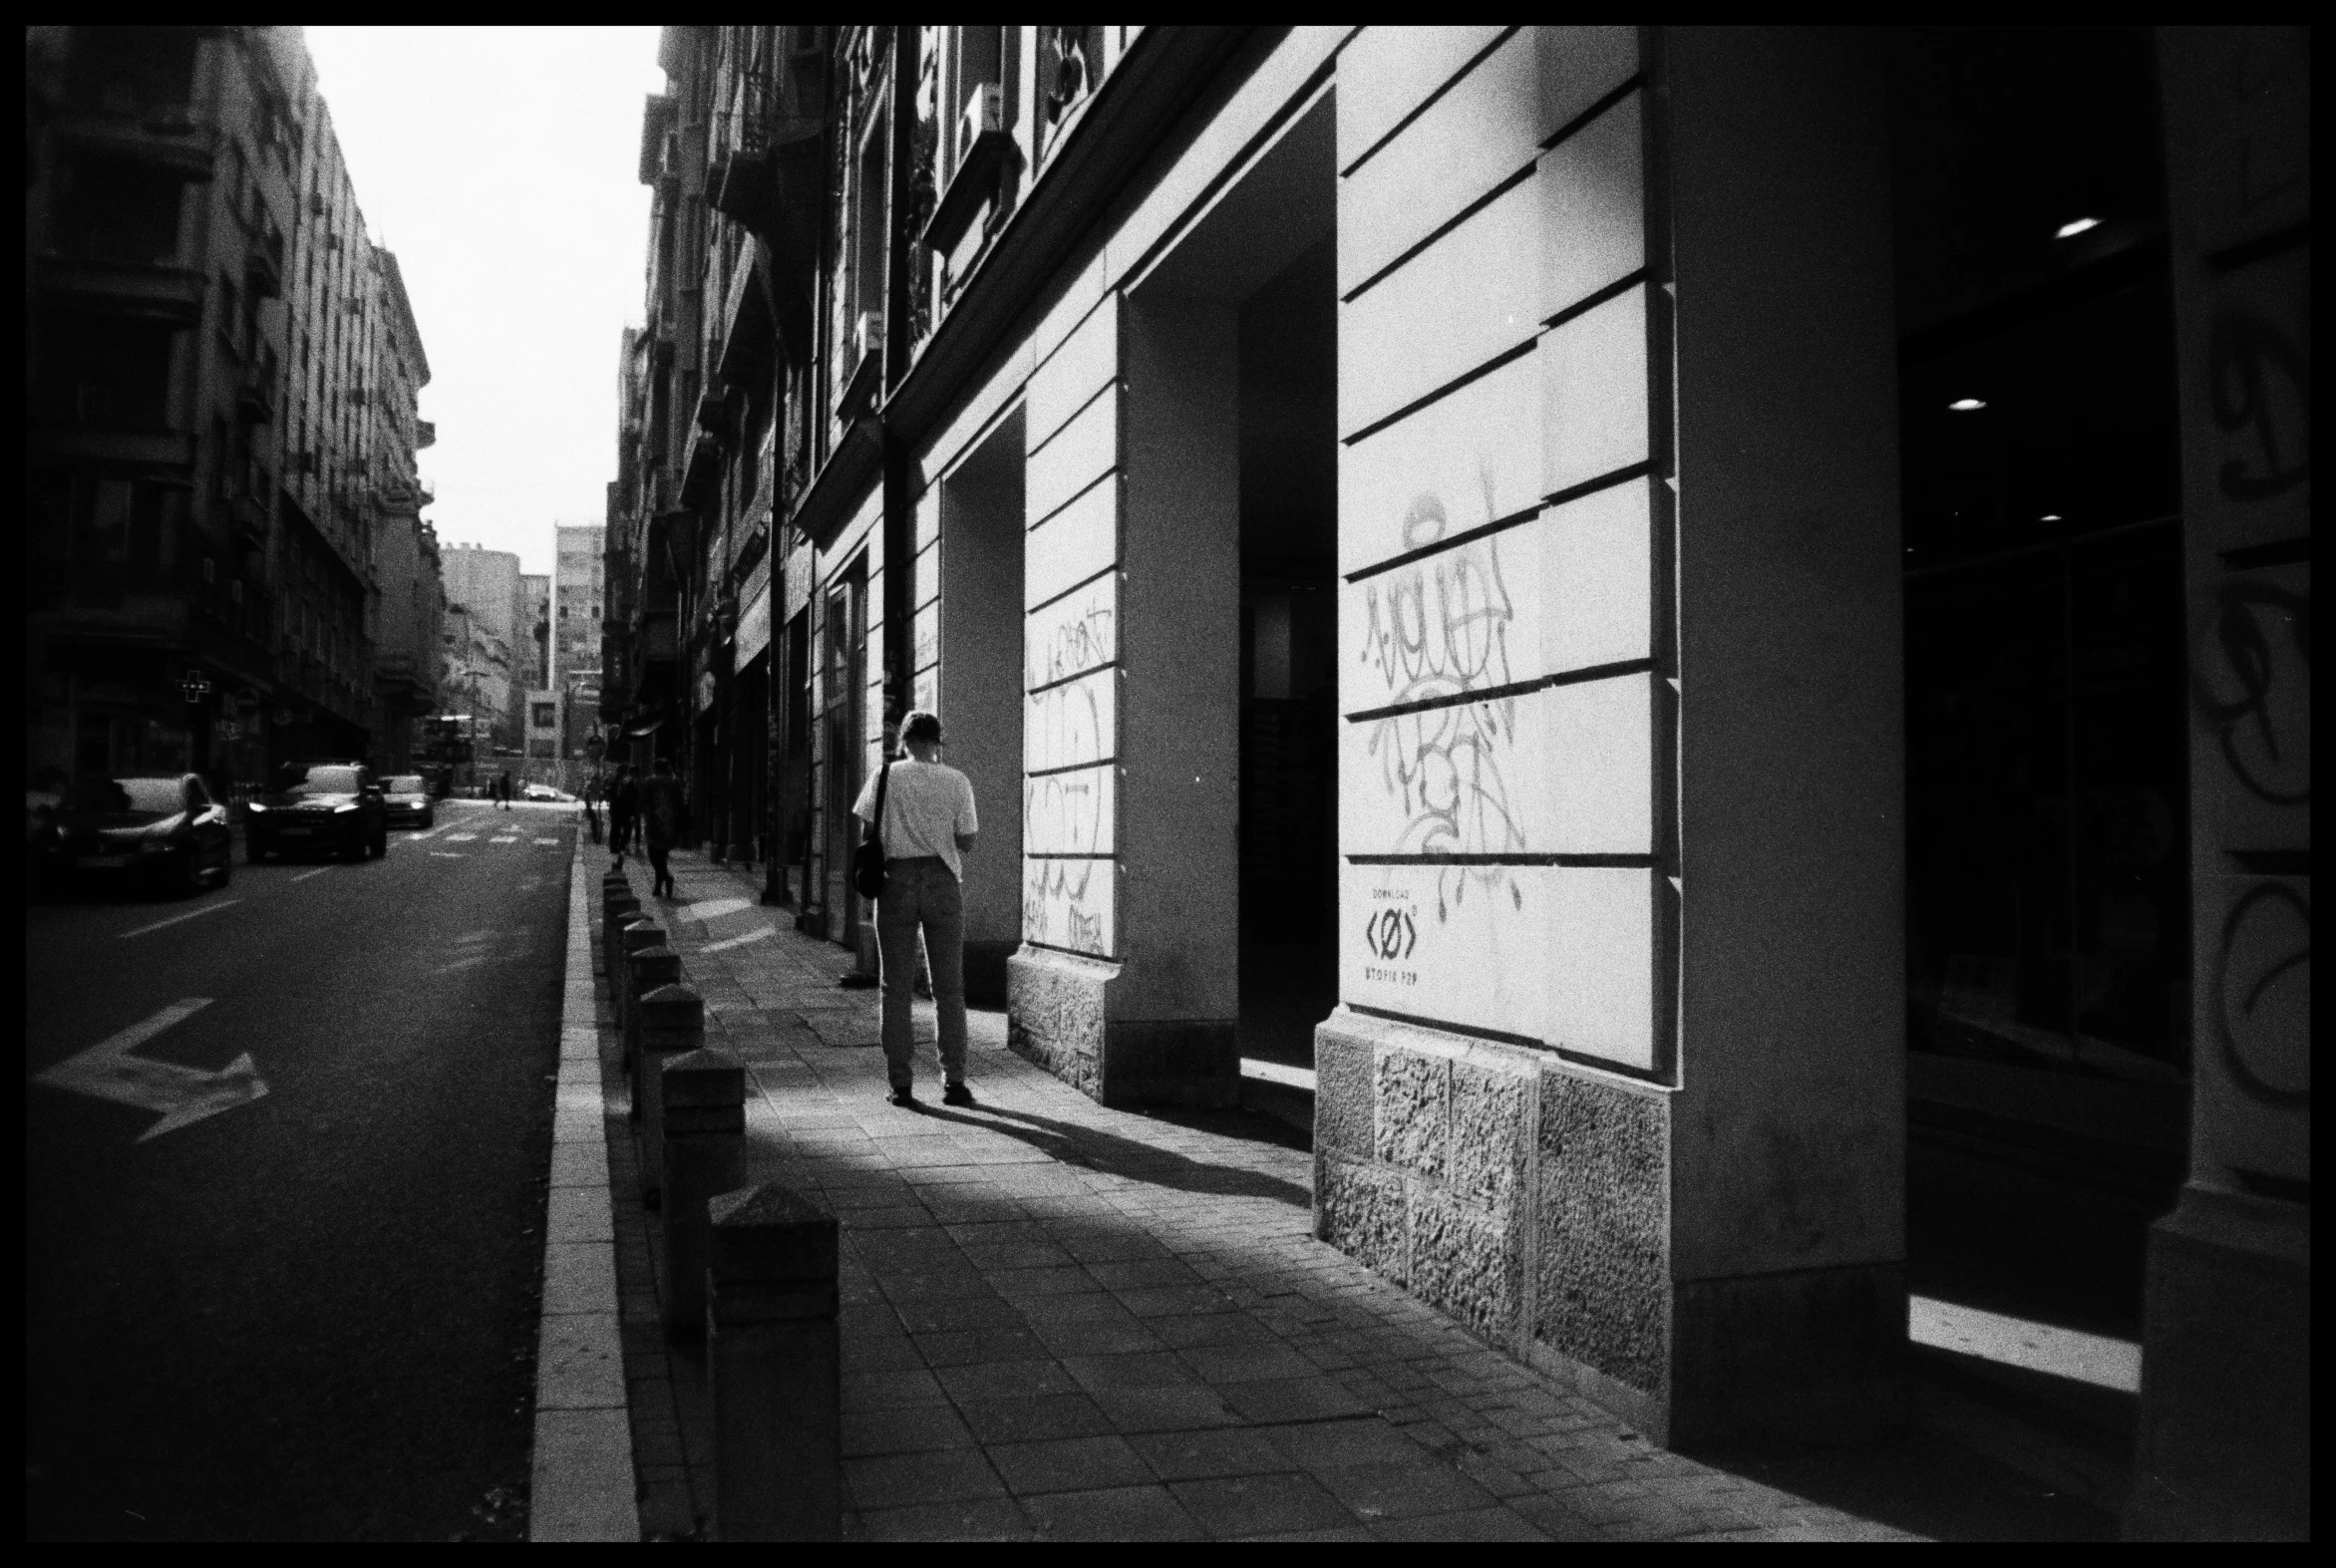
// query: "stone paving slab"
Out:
[1066,1322]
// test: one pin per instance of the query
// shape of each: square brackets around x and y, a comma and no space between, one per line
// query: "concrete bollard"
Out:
[702,1094]
[645,971]
[636,935]
[615,909]
[672,1023]
[774,1367]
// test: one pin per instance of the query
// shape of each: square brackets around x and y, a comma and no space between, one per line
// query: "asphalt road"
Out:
[312,1313]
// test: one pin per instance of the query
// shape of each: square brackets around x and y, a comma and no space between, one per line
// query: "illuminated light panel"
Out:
[2075,226]
[1968,405]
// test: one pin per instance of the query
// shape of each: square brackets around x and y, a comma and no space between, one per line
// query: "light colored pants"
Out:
[922,892]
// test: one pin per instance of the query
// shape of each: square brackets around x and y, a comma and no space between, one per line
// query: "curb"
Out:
[583,1482]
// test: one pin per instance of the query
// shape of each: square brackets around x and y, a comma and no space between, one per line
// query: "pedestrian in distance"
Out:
[592,789]
[503,788]
[624,807]
[921,811]
[662,812]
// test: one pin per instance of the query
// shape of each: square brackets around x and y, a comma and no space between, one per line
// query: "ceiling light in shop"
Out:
[2075,226]
[2050,517]
[1968,405]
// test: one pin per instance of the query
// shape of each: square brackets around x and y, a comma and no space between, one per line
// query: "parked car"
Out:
[543,791]
[407,796]
[164,830]
[318,809]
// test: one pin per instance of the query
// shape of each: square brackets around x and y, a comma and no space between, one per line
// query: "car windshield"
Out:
[320,781]
[404,784]
[124,794]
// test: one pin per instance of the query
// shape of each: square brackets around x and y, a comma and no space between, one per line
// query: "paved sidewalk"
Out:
[1070,1322]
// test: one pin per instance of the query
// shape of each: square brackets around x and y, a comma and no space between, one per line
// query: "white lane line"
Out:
[207,909]
[463,963]
[461,839]
[419,838]
[446,854]
[305,876]
[547,840]
[756,935]
[512,840]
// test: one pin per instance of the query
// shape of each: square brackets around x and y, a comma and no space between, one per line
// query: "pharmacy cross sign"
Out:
[195,688]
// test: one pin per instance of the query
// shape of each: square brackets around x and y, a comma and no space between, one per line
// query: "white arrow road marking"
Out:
[305,876]
[207,909]
[182,1094]
[756,935]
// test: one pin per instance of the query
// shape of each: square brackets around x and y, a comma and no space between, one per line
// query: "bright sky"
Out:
[502,164]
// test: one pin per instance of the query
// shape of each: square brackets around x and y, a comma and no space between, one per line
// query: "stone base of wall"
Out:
[2225,1447]
[1056,1015]
[1531,1200]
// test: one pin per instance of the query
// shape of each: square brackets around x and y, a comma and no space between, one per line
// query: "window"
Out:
[547,714]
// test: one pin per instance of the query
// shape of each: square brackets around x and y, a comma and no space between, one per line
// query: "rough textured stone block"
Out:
[1054,1013]
[1602,1290]
[1342,1091]
[1463,1261]
[1408,1125]
[1489,1134]
[1361,1211]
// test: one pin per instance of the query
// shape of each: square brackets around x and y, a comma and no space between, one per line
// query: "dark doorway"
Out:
[843,756]
[1288,353]
[2048,896]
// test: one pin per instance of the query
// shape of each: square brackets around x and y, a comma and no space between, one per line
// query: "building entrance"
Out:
[1288,888]
[2048,915]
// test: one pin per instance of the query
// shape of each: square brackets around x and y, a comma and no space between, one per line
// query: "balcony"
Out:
[984,149]
[264,265]
[257,399]
[151,291]
[425,435]
[165,138]
[247,520]
[160,450]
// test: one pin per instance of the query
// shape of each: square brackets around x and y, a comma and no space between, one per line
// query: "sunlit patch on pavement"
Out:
[713,908]
[755,935]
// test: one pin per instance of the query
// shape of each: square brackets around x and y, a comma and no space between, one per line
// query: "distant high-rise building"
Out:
[494,671]
[578,606]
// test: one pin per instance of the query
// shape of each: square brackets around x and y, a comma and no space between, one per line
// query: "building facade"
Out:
[498,655]
[203,585]
[579,604]
[1712,626]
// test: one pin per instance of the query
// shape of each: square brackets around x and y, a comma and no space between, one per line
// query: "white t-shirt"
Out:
[929,805]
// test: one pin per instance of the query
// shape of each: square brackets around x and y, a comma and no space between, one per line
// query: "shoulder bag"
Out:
[867,862]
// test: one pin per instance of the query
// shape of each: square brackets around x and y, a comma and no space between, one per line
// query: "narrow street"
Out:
[310,1312]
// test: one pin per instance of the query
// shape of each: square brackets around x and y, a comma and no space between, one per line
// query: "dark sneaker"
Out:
[957,1094]
[904,1096]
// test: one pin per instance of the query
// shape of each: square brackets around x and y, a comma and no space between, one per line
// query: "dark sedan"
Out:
[318,809]
[164,829]
[406,797]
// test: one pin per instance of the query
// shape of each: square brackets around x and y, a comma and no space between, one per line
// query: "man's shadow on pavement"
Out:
[1107,1152]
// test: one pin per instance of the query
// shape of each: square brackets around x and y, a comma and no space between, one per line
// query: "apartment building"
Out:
[496,650]
[1711,627]
[202,585]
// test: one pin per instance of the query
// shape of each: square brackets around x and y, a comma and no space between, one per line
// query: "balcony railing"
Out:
[257,400]
[264,264]
[165,138]
[149,290]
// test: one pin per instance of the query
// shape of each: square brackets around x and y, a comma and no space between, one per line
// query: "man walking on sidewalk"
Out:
[928,827]
[662,810]
[624,803]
